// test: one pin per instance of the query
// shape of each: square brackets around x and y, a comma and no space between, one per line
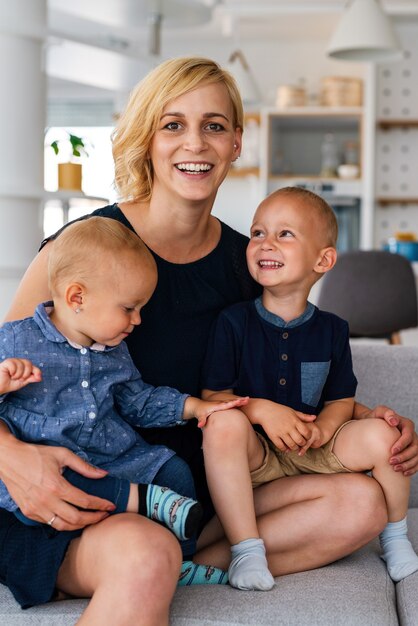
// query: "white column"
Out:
[369,160]
[22,125]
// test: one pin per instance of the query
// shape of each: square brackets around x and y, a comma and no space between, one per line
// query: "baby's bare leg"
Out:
[365,445]
[232,450]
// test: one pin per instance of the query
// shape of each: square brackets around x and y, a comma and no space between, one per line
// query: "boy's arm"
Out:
[286,428]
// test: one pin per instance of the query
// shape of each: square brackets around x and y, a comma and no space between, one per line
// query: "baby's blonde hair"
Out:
[137,125]
[92,246]
[325,214]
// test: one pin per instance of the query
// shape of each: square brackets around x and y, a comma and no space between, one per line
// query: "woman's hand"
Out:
[404,452]
[33,476]
[17,373]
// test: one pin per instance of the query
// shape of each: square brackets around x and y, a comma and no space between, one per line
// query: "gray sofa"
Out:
[355,591]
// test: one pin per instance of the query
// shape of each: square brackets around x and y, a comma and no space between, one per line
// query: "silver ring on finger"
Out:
[52,520]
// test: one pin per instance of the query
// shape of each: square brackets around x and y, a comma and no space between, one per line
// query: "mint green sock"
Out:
[194,574]
[180,514]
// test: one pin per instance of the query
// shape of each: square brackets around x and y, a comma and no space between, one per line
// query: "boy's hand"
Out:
[17,373]
[202,409]
[286,428]
[316,439]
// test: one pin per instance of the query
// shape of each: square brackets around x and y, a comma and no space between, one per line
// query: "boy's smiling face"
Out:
[287,240]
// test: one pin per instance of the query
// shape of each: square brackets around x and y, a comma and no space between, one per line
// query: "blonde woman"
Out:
[173,147]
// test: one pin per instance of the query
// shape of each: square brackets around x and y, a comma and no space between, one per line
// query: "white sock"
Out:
[248,568]
[398,553]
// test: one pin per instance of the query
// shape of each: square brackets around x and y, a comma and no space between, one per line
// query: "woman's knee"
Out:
[362,505]
[140,551]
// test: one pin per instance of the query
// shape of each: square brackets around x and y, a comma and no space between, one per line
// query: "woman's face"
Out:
[194,144]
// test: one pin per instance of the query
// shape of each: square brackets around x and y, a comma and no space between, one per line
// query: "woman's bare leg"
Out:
[129,566]
[308,521]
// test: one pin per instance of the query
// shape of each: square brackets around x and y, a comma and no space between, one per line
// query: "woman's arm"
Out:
[32,475]
[33,287]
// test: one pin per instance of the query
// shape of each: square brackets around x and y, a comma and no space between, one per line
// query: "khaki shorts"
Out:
[277,464]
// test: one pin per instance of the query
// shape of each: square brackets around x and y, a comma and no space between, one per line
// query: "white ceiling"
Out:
[121,27]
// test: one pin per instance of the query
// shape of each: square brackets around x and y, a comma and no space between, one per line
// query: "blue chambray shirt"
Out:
[87,401]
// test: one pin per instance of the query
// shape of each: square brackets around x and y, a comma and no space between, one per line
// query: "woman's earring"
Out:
[77,310]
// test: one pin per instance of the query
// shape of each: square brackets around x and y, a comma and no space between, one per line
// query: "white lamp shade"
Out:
[364,33]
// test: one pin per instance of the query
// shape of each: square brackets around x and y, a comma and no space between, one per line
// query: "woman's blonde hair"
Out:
[137,124]
[92,246]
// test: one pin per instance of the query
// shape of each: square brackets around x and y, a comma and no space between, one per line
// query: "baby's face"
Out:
[112,304]
[285,243]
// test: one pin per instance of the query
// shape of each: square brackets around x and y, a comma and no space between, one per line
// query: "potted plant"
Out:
[70,172]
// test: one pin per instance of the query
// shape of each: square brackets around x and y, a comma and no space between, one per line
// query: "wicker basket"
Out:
[290,96]
[337,91]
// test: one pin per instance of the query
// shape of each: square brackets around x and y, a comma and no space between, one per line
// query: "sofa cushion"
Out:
[355,591]
[406,590]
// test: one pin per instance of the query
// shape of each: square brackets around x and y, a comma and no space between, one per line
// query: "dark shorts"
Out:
[30,557]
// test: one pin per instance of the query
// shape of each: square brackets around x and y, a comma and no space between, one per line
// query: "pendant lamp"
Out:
[364,33]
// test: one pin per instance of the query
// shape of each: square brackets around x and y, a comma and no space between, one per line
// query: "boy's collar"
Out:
[276,320]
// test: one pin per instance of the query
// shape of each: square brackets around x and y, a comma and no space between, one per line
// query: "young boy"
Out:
[87,394]
[294,362]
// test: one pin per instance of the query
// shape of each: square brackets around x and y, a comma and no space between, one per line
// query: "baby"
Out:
[86,393]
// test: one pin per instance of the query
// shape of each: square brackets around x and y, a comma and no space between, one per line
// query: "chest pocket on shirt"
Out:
[313,377]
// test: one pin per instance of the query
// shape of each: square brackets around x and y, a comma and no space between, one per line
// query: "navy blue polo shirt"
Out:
[301,364]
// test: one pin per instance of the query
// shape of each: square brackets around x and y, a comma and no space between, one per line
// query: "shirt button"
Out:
[284,357]
[84,383]
[282,381]
[83,350]
[285,335]
[92,415]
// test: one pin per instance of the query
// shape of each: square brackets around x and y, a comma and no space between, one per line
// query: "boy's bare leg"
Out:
[129,566]
[365,445]
[232,450]
[308,521]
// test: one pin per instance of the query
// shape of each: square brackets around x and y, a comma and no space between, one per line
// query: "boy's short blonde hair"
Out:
[91,247]
[325,214]
[137,125]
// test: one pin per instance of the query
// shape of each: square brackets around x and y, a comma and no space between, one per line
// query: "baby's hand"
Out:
[17,373]
[202,409]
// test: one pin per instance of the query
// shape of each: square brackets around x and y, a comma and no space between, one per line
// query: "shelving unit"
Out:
[291,155]
[292,138]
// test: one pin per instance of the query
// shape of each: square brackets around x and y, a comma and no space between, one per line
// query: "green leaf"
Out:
[54,146]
